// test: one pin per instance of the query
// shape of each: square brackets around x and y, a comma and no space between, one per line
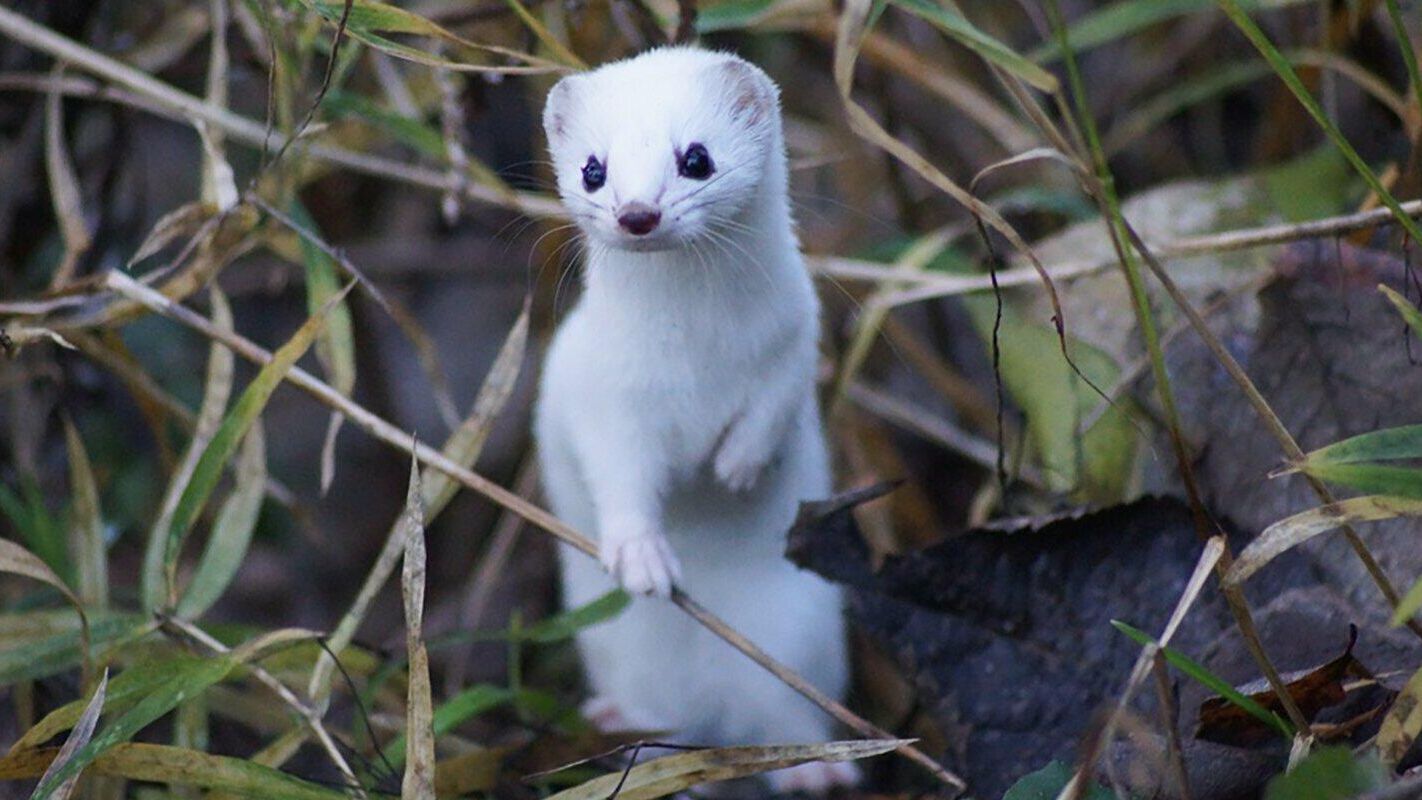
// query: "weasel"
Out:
[677,416]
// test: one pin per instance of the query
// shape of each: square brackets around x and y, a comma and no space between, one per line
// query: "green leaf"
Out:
[235,426]
[125,689]
[1410,314]
[1382,445]
[1211,681]
[565,625]
[957,26]
[1122,19]
[456,710]
[1371,478]
[86,524]
[731,15]
[181,684]
[232,532]
[1048,782]
[1329,773]
[1409,605]
[217,388]
[411,132]
[1096,465]
[41,531]
[46,655]
[335,345]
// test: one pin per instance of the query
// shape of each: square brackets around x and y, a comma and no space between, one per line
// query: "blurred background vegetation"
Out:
[248,161]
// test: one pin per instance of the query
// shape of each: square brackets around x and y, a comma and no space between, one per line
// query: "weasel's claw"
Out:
[642,564]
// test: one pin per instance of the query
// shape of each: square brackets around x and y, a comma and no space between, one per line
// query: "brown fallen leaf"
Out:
[1312,690]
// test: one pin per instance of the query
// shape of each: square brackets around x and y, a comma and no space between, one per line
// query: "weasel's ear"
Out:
[754,96]
[560,107]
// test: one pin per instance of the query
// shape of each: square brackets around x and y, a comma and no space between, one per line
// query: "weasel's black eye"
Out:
[594,174]
[696,163]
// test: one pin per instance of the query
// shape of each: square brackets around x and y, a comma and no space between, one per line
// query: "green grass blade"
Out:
[1384,445]
[1409,56]
[1211,681]
[1410,314]
[1371,478]
[1122,19]
[1286,73]
[125,689]
[217,389]
[232,532]
[46,654]
[464,706]
[1408,606]
[960,28]
[181,684]
[565,625]
[244,413]
[41,531]
[86,524]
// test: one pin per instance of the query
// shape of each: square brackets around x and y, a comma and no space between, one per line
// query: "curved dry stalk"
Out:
[379,428]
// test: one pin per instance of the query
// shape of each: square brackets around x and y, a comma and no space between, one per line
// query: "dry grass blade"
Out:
[63,189]
[1402,724]
[154,763]
[16,560]
[670,774]
[86,525]
[216,390]
[395,437]
[418,783]
[1289,533]
[462,447]
[78,737]
[219,187]
[185,220]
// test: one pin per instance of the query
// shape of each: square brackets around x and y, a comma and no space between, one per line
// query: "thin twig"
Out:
[308,714]
[1169,719]
[379,428]
[929,285]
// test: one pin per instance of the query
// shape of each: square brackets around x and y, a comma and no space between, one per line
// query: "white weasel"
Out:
[677,415]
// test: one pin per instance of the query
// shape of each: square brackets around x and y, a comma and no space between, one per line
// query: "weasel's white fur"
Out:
[677,416]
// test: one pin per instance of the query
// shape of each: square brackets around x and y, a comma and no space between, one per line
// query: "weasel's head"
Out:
[662,149]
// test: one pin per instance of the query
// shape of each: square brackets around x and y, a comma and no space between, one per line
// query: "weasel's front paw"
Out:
[642,564]
[816,777]
[740,462]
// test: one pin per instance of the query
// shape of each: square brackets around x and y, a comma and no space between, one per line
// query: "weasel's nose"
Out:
[638,219]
